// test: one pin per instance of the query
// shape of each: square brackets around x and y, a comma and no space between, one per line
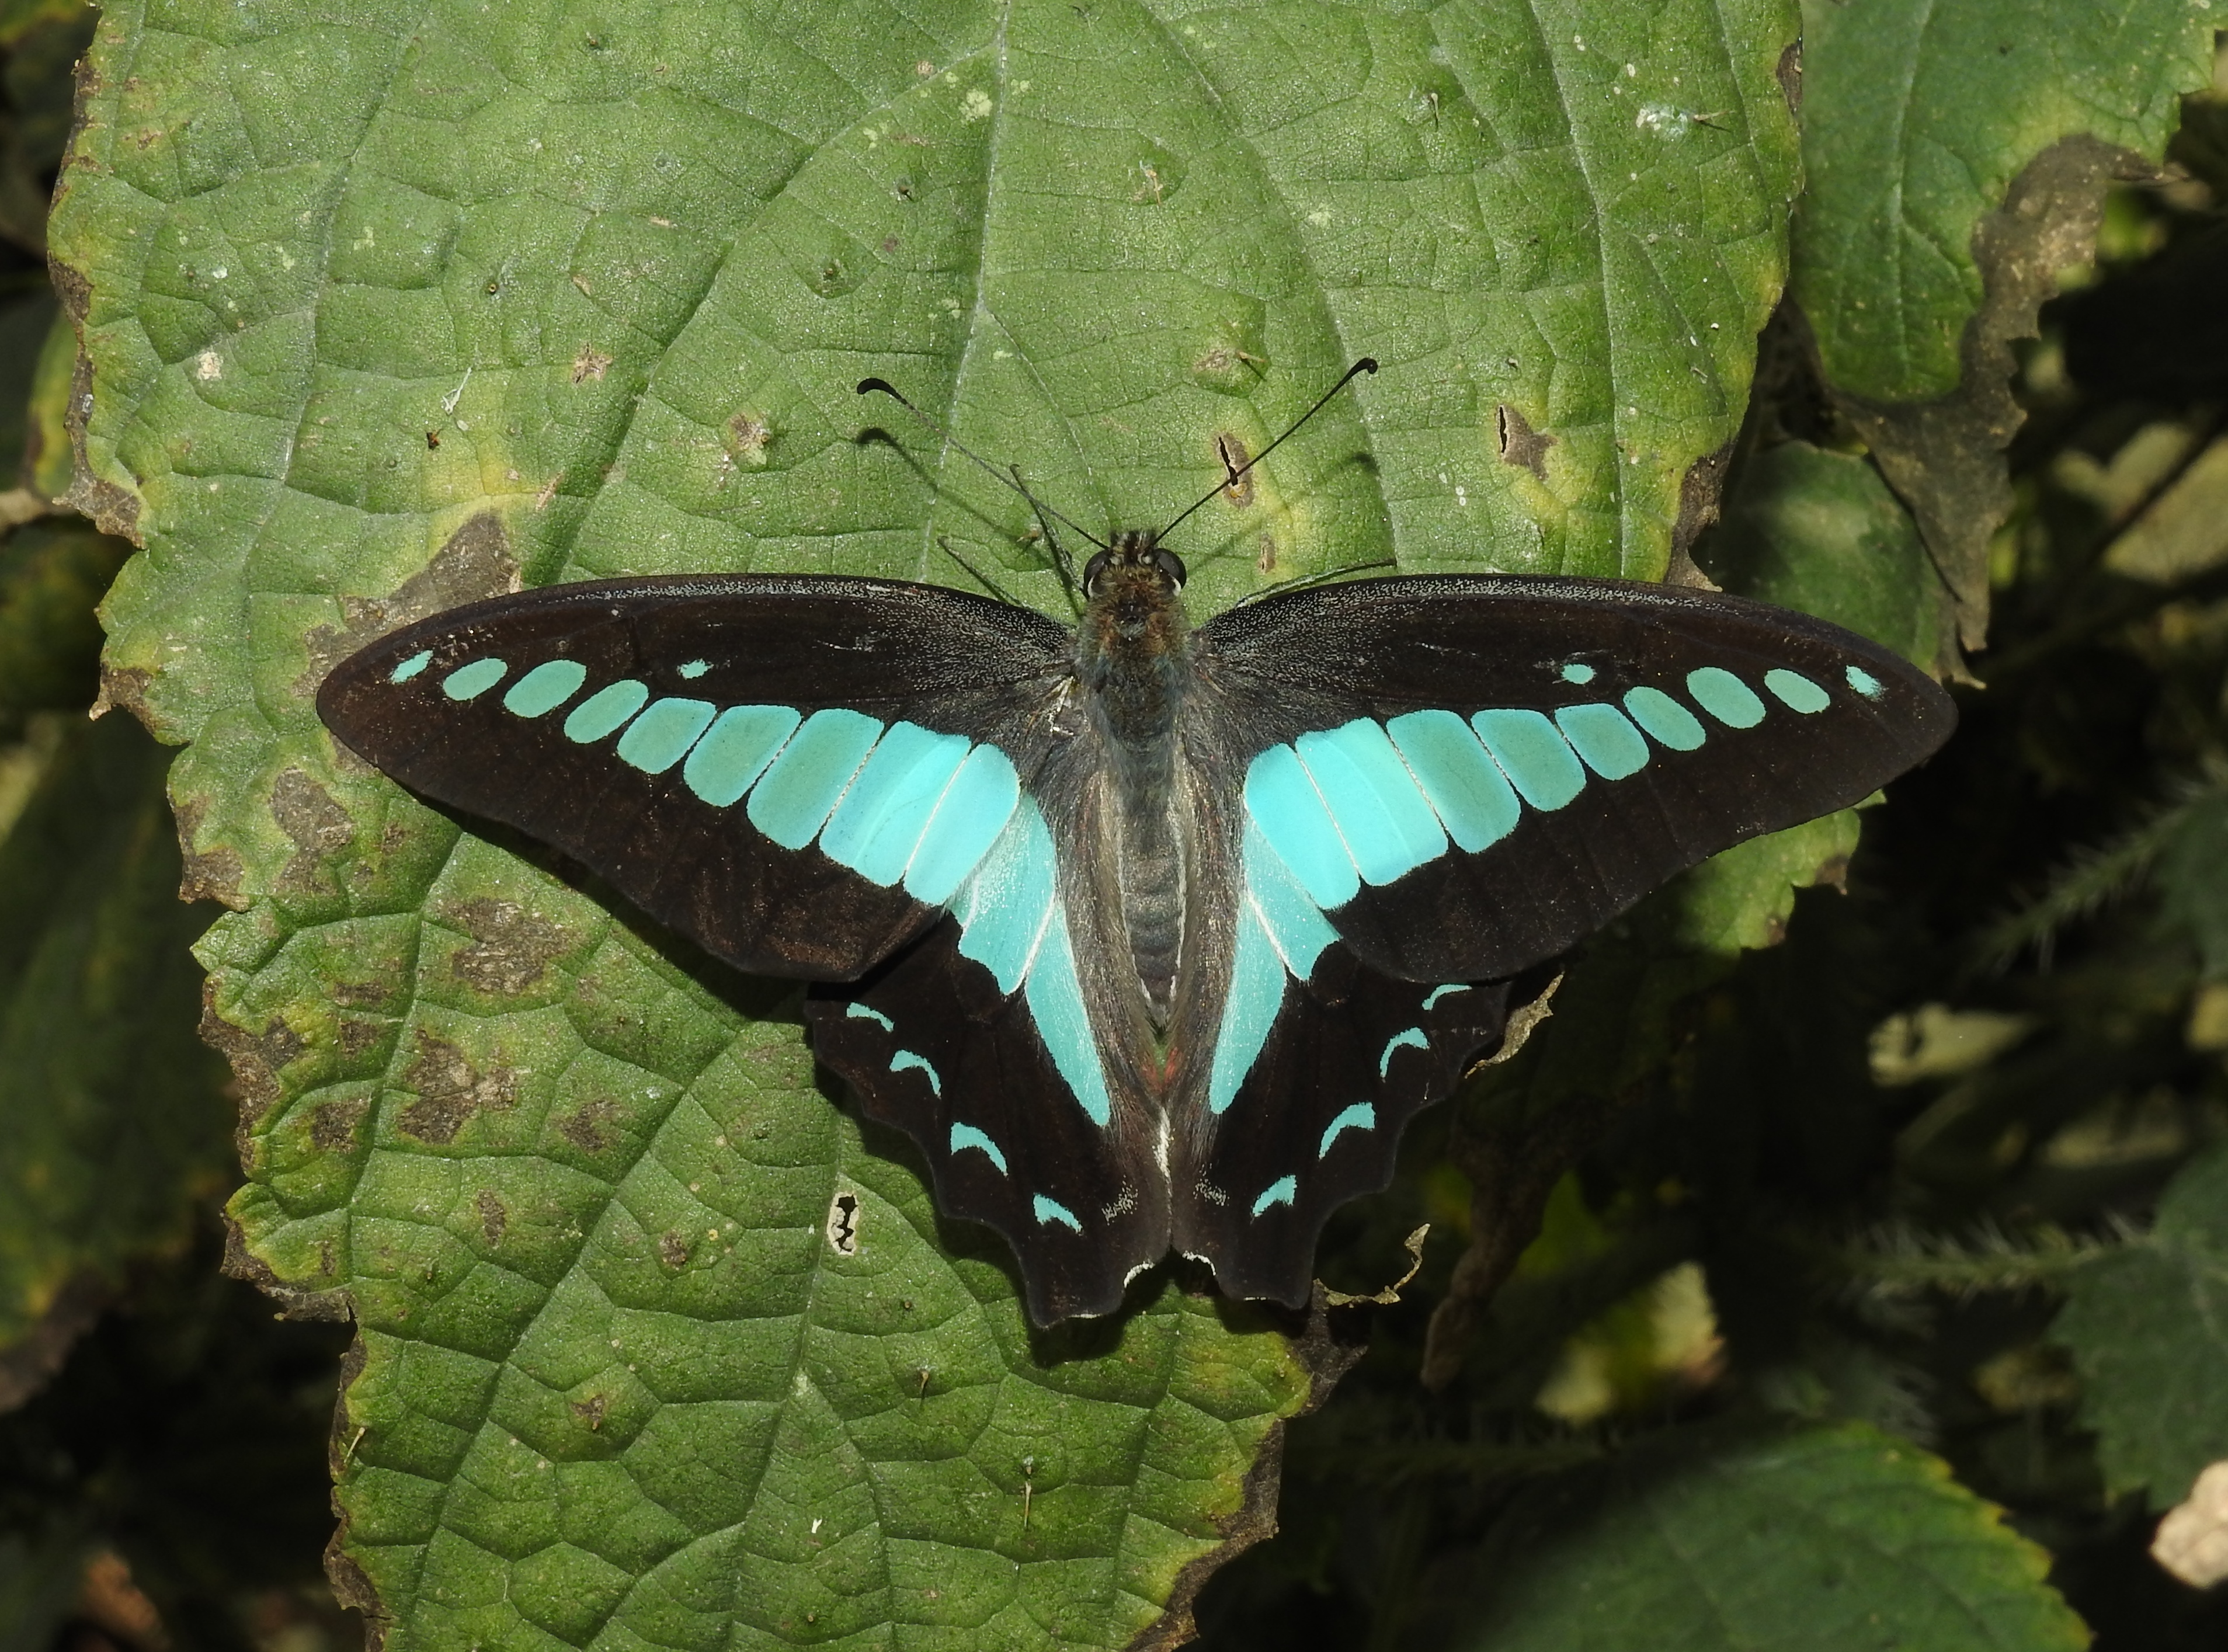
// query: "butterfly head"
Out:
[1134,588]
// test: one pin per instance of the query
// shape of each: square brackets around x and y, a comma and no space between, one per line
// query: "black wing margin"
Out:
[1853,716]
[942,660]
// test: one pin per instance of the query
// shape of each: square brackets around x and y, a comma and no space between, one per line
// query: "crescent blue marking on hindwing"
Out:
[905,1059]
[1282,1191]
[1438,993]
[1413,1039]
[1049,1211]
[1361,1116]
[966,1135]
[858,1011]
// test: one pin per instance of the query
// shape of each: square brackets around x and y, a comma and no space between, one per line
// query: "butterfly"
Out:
[1152,936]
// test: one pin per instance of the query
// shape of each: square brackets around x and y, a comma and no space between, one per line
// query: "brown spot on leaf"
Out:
[114,509]
[1238,481]
[1519,443]
[333,1124]
[673,1249]
[450,1091]
[213,876]
[511,947]
[318,827]
[1790,71]
[476,562]
[591,1411]
[241,1262]
[590,363]
[1699,491]
[1945,459]
[257,1058]
[749,436]
[494,1218]
[594,1128]
[1267,561]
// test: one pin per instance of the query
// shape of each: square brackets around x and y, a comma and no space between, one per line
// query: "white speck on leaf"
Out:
[976,105]
[207,365]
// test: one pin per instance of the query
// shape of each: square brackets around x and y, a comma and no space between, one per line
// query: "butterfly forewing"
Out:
[1469,775]
[695,741]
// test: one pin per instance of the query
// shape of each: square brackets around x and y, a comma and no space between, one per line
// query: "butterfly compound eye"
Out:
[1171,565]
[1092,570]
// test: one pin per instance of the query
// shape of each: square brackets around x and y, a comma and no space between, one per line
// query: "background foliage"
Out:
[1840,1261]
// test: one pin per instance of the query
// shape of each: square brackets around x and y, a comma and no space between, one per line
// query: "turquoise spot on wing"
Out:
[695,668]
[1725,696]
[858,1011]
[605,710]
[1543,770]
[1797,692]
[1361,1116]
[661,737]
[1578,672]
[1284,803]
[1413,1039]
[1389,829]
[1855,676]
[411,667]
[470,682]
[1257,993]
[1450,988]
[876,826]
[1049,1211]
[1294,925]
[966,1135]
[544,689]
[974,809]
[1601,734]
[1055,1001]
[1671,723]
[1281,1191]
[735,751]
[906,1060]
[1005,906]
[1467,789]
[805,781]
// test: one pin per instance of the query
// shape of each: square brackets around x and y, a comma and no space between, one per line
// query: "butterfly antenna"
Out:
[1366,364]
[941,429]
[1061,567]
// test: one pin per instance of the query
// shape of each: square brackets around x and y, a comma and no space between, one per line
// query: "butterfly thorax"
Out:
[1133,659]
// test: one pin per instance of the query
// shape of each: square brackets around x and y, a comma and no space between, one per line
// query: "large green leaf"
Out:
[1916,118]
[390,309]
[2148,1326]
[1834,1539]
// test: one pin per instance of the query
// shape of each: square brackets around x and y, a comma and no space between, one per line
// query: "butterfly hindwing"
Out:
[1349,1059]
[931,1046]
[796,773]
[1468,775]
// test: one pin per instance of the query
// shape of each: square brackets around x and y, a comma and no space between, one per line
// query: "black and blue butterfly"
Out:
[1151,936]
